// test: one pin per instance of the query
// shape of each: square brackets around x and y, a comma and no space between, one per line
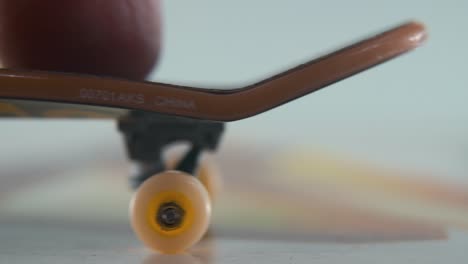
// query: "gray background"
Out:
[409,113]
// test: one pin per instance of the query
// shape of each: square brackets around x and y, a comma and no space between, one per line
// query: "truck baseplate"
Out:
[147,135]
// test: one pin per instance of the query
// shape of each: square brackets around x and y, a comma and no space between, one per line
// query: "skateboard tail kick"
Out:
[170,210]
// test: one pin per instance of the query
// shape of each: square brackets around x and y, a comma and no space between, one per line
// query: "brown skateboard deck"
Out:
[49,94]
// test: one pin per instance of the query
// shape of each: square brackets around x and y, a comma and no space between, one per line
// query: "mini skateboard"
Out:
[171,210]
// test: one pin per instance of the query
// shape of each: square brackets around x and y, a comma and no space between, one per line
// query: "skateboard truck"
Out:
[148,134]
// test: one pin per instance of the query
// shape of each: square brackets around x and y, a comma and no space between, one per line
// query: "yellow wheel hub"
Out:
[170,200]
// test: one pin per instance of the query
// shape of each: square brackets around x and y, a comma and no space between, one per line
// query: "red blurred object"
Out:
[108,37]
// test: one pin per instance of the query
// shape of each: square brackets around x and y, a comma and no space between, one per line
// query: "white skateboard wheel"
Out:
[170,212]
